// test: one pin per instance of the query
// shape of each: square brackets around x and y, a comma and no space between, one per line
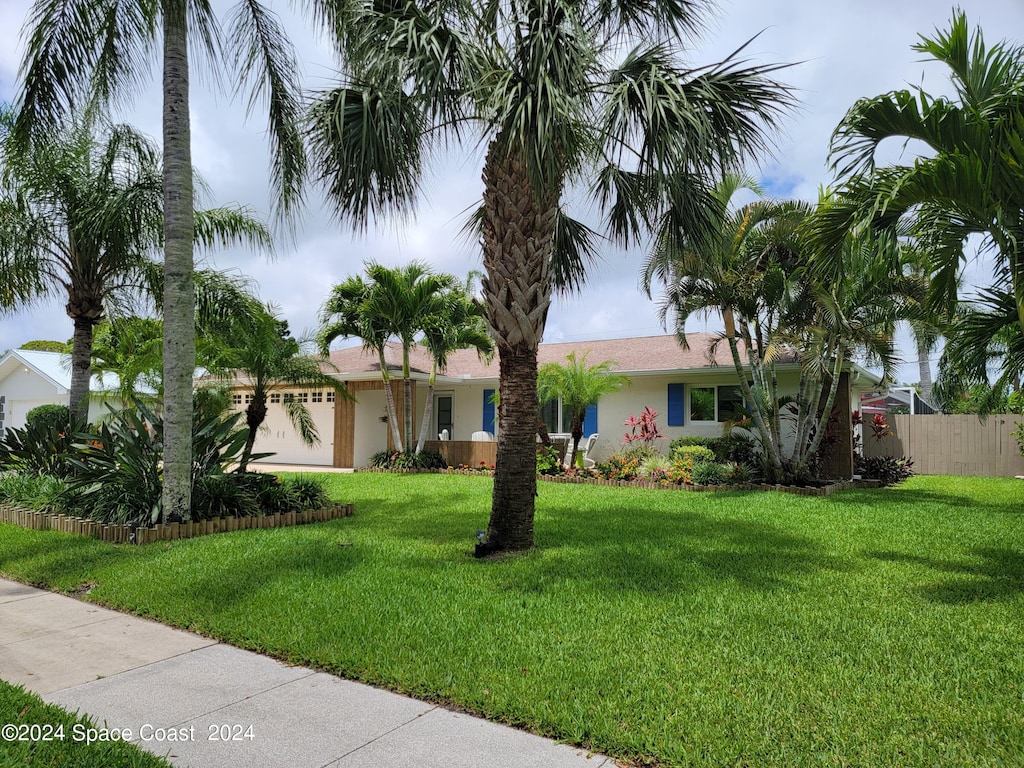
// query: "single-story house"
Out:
[30,378]
[895,400]
[692,391]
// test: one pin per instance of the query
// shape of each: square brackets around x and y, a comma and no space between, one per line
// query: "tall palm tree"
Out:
[578,386]
[970,182]
[260,352]
[561,93]
[96,51]
[81,216]
[456,324]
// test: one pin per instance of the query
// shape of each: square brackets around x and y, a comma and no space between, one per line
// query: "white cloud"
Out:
[845,50]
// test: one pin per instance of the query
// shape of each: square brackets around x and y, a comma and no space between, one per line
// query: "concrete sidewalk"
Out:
[206,705]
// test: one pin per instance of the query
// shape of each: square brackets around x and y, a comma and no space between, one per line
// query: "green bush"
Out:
[400,460]
[56,417]
[41,493]
[117,472]
[655,468]
[704,442]
[889,470]
[42,447]
[710,473]
[306,492]
[223,495]
[698,453]
[549,461]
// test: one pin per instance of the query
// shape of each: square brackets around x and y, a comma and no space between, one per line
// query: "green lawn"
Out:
[871,628]
[42,735]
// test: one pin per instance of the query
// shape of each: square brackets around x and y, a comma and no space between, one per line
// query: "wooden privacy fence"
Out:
[949,444]
[468,452]
[124,534]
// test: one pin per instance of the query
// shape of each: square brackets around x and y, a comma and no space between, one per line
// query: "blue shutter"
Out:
[590,420]
[488,411]
[676,405]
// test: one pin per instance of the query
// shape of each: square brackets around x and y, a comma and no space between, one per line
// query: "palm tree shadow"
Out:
[998,574]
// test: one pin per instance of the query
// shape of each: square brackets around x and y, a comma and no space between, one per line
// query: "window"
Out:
[730,403]
[275,398]
[236,398]
[557,417]
[248,398]
[330,395]
[702,404]
[318,397]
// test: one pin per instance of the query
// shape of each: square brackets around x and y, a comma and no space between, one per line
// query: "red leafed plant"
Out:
[643,429]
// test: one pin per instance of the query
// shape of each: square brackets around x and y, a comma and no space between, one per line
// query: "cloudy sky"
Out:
[845,51]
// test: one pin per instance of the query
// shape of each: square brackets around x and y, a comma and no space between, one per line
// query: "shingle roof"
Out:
[644,354]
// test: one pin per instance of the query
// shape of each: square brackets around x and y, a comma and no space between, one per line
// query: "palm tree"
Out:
[403,299]
[80,217]
[259,352]
[97,50]
[129,347]
[457,324]
[536,82]
[972,180]
[395,303]
[578,385]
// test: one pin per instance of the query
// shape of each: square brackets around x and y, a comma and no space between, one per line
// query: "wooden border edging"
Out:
[125,534]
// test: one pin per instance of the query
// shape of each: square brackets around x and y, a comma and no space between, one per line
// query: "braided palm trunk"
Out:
[518,237]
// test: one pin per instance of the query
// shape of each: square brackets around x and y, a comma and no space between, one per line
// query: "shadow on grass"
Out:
[885,498]
[679,551]
[997,575]
[51,559]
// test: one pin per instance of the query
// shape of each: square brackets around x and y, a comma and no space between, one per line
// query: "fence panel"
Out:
[951,444]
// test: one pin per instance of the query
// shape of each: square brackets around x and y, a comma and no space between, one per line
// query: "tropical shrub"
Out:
[655,468]
[117,467]
[401,460]
[889,470]
[619,466]
[710,473]
[57,417]
[307,492]
[643,429]
[706,442]
[549,460]
[41,447]
[697,453]
[1018,435]
[41,493]
[740,473]
[223,495]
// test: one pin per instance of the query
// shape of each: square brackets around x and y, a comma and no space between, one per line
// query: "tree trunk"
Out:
[924,368]
[515,470]
[255,415]
[81,356]
[518,238]
[179,294]
[428,407]
[729,319]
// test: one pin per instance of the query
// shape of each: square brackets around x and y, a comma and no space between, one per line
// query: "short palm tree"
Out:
[393,304]
[129,347]
[562,94]
[81,217]
[95,51]
[578,386]
[259,352]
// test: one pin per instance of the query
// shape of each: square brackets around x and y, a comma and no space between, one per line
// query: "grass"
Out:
[47,736]
[869,628]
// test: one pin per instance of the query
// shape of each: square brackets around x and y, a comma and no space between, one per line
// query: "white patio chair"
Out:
[443,435]
[586,444]
[482,437]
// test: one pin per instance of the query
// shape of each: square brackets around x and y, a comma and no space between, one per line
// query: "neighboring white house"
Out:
[30,378]
[692,393]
